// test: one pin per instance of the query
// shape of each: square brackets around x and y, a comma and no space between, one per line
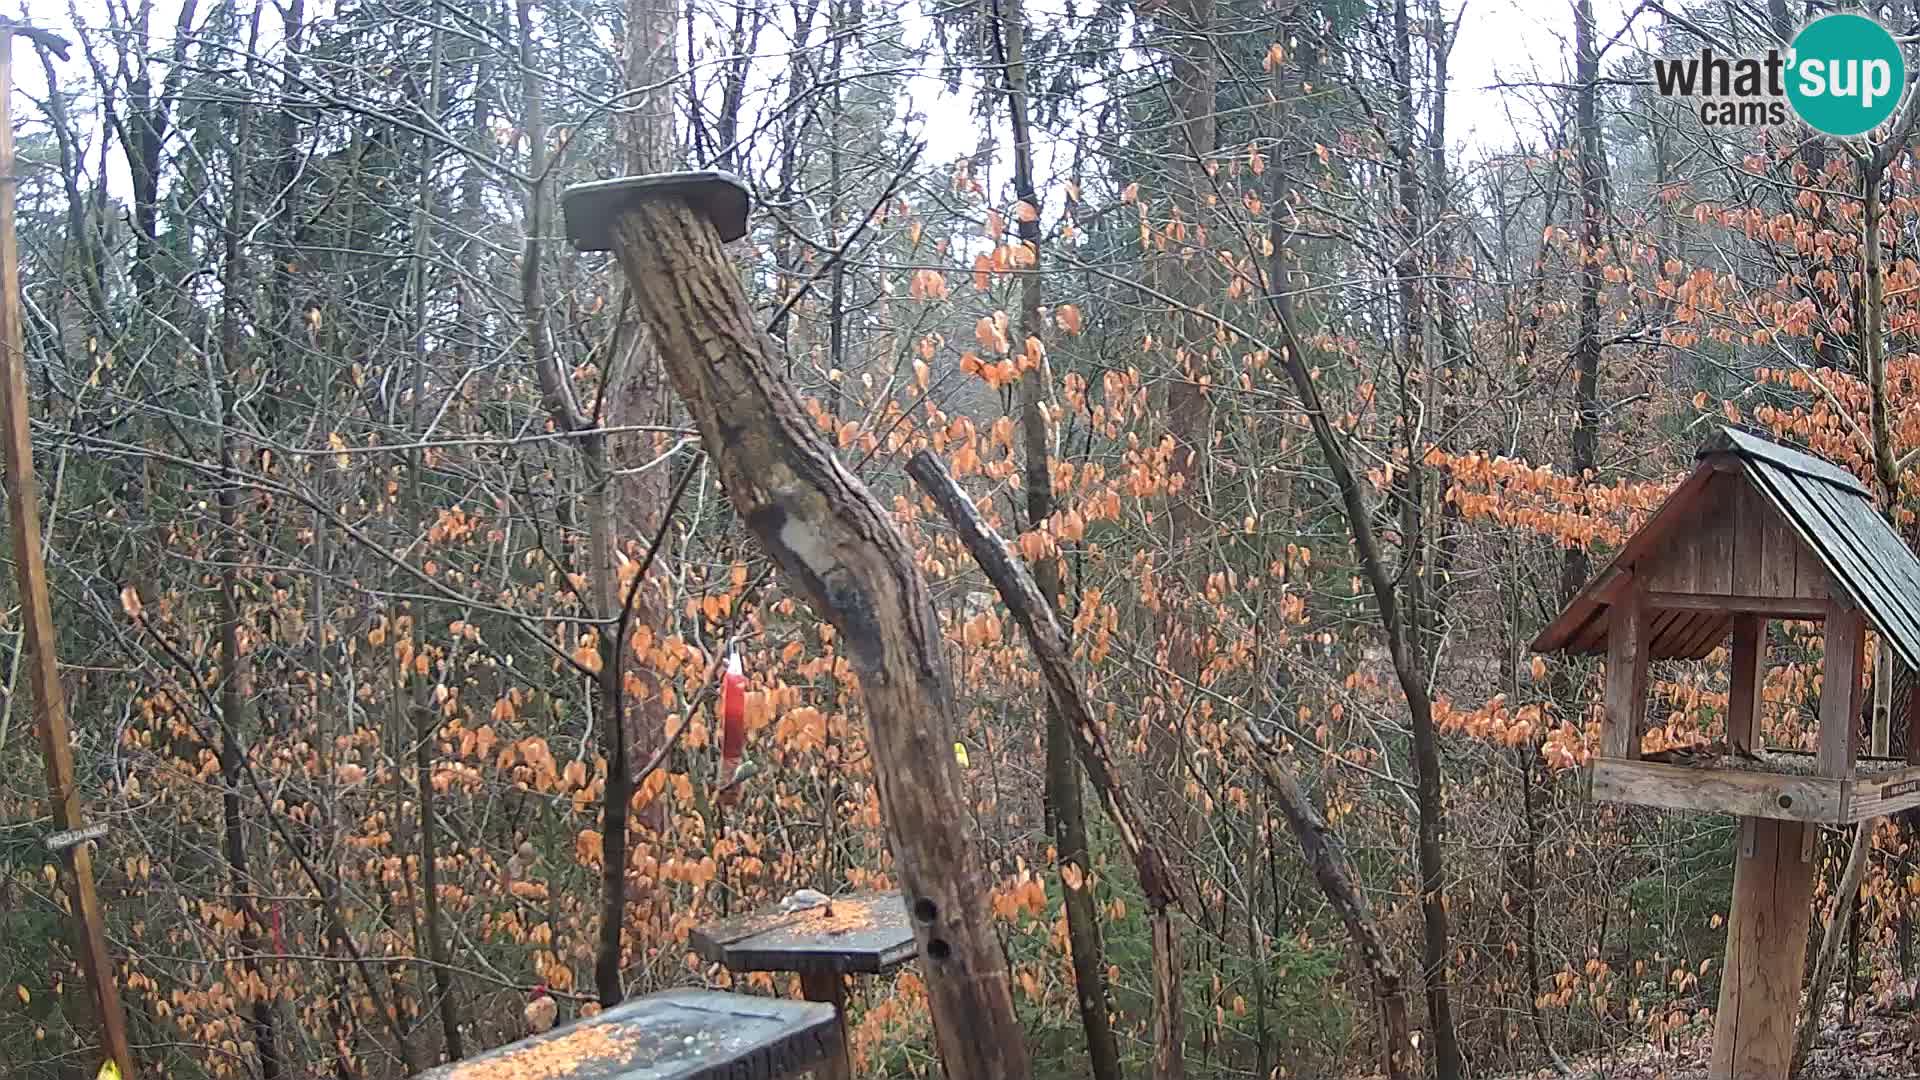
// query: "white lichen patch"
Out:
[807,544]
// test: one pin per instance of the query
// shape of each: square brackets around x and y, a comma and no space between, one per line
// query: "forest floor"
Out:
[1876,1046]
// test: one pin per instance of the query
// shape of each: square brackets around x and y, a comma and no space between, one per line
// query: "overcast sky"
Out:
[1501,41]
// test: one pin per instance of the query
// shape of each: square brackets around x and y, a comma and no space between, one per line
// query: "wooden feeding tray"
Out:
[860,934]
[676,1035]
[1781,785]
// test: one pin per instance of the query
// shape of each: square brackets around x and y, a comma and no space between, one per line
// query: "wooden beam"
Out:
[1774,796]
[1626,699]
[1839,735]
[1766,946]
[1749,674]
[1774,607]
[36,610]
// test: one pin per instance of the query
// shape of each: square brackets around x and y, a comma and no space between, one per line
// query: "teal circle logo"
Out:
[1846,75]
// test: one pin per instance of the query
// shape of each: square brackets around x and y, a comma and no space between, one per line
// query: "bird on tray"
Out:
[1699,755]
[541,1011]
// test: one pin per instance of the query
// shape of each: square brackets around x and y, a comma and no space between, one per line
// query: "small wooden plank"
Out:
[1748,673]
[1775,572]
[1777,607]
[1880,730]
[1749,539]
[1591,637]
[865,933]
[1714,543]
[1766,945]
[1839,734]
[1774,796]
[1626,693]
[676,1035]
[1810,578]
[1883,795]
[1667,637]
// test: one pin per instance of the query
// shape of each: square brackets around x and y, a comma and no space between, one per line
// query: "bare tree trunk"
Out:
[234,675]
[1575,565]
[425,715]
[1873,345]
[630,483]
[1846,901]
[1194,72]
[1066,815]
[1334,873]
[1426,743]
[557,391]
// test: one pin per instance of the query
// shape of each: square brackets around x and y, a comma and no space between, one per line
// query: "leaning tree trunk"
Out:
[839,549]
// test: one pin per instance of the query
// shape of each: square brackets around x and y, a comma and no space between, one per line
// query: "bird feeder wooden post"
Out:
[864,934]
[838,548]
[1757,532]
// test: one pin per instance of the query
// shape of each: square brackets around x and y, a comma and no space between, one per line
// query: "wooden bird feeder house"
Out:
[1757,532]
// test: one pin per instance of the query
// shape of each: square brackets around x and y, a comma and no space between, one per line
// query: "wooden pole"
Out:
[1766,947]
[37,633]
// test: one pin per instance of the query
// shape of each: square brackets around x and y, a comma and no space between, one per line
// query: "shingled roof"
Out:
[1828,509]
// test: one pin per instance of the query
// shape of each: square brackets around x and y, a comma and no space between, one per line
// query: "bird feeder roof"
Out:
[1827,509]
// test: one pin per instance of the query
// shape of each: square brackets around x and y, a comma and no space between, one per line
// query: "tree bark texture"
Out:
[839,550]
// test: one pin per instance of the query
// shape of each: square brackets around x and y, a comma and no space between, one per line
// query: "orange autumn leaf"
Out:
[587,654]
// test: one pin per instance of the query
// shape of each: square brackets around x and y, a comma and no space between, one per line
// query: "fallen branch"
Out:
[1049,643]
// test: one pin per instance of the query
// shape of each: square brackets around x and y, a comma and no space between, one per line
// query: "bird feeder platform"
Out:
[676,1035]
[861,934]
[1757,532]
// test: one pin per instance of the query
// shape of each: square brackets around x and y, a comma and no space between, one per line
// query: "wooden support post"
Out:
[839,549]
[1839,733]
[36,610]
[1766,948]
[1913,725]
[1749,675]
[1881,730]
[830,987]
[1626,674]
